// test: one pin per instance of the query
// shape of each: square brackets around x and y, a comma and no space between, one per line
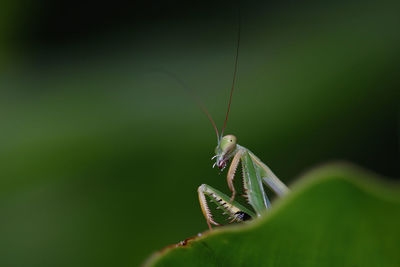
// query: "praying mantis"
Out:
[256,174]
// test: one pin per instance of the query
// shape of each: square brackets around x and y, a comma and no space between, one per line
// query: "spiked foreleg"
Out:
[231,173]
[235,211]
[253,185]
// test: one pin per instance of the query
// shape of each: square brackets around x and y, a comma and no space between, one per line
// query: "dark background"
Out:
[102,152]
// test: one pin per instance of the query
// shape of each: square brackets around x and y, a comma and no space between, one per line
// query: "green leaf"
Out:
[336,215]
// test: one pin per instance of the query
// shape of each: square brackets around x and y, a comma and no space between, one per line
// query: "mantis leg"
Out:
[231,173]
[252,182]
[253,185]
[269,178]
[276,185]
[235,211]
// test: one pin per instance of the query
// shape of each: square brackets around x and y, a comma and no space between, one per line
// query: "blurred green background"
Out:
[101,153]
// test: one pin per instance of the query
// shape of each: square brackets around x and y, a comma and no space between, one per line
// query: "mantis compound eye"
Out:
[228,143]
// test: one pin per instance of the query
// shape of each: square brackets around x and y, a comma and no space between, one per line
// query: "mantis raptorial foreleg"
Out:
[231,174]
[235,211]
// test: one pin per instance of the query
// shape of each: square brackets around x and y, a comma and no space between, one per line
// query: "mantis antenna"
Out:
[197,99]
[234,78]
[194,96]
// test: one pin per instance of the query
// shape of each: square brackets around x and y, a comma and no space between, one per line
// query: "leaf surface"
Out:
[336,215]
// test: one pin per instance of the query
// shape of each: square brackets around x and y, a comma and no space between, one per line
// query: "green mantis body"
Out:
[255,174]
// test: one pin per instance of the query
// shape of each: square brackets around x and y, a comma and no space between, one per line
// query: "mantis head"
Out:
[224,151]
